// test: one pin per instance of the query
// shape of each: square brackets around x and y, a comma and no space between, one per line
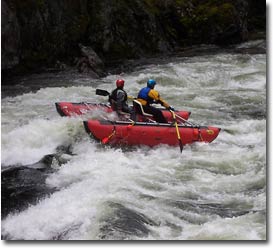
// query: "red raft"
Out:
[72,109]
[150,134]
[80,108]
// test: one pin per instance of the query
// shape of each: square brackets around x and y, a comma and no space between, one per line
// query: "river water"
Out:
[213,191]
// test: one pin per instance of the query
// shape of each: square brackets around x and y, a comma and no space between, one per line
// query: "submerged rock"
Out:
[26,185]
[21,187]
[121,222]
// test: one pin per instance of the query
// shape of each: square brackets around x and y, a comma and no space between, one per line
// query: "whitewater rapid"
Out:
[213,191]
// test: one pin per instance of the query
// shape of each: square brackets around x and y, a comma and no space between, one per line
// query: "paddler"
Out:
[147,96]
[118,100]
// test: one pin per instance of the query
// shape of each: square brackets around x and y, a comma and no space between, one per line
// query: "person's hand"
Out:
[171,108]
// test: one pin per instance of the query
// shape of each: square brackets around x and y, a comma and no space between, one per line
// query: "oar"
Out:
[102,92]
[177,131]
[106,93]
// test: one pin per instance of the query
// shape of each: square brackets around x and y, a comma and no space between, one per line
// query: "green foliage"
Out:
[208,18]
[153,6]
[220,15]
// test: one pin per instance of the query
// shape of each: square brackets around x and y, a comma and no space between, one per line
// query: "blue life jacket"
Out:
[143,94]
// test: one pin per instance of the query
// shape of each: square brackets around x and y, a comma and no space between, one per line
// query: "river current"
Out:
[213,191]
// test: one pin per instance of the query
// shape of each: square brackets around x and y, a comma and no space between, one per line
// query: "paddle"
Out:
[106,93]
[177,131]
[102,92]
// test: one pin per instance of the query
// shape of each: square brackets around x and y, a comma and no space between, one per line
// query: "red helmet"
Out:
[120,83]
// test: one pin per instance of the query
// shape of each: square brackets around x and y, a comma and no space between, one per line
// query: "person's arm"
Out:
[155,95]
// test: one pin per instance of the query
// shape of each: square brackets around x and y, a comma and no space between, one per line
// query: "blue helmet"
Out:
[151,83]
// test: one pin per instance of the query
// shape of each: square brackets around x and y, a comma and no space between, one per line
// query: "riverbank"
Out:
[91,35]
[13,85]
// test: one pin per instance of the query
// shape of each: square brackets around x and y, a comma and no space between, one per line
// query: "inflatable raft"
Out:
[72,109]
[124,133]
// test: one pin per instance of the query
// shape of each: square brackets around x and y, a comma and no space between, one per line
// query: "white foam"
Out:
[229,172]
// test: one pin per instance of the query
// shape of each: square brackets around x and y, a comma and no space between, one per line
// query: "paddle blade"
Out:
[102,92]
[181,145]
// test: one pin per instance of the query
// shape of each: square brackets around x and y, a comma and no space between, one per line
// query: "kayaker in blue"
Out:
[118,100]
[148,96]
